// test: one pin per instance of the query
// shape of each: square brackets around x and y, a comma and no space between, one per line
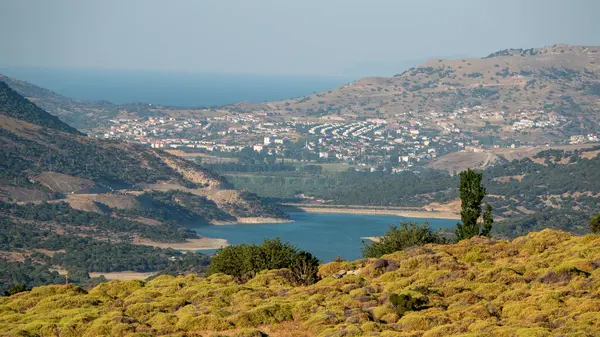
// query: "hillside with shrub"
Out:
[43,159]
[79,204]
[543,284]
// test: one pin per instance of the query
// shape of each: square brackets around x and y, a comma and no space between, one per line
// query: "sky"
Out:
[300,37]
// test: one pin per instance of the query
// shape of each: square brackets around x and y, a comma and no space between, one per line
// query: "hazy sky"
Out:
[326,37]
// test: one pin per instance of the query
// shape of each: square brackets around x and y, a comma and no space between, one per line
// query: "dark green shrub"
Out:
[595,224]
[19,288]
[409,234]
[403,303]
[244,261]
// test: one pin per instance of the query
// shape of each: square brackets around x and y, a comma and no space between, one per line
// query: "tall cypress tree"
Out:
[488,220]
[471,195]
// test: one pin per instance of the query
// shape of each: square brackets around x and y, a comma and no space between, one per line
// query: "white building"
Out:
[258,147]
[267,141]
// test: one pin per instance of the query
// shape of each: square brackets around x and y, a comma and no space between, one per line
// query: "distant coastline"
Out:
[172,88]
[374,210]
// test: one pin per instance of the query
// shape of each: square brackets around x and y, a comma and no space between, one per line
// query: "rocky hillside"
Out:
[557,83]
[43,158]
[543,284]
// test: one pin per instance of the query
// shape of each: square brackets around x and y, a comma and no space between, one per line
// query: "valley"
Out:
[151,191]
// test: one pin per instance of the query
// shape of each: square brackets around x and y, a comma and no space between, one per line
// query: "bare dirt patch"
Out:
[23,194]
[63,183]
[460,161]
[87,202]
[189,244]
[123,275]
[507,179]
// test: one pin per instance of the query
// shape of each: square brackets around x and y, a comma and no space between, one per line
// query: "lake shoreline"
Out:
[252,220]
[326,236]
[203,243]
[379,211]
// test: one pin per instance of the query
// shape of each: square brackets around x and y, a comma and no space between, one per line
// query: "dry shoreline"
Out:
[123,275]
[253,220]
[374,211]
[189,244]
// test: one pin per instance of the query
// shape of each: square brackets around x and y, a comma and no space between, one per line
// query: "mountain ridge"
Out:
[556,85]
[561,81]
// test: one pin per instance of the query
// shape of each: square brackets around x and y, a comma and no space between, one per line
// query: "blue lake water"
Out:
[174,88]
[326,236]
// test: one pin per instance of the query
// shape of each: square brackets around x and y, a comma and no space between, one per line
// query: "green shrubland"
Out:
[409,234]
[244,261]
[543,284]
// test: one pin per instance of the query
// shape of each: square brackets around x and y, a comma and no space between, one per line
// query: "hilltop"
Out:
[543,284]
[557,84]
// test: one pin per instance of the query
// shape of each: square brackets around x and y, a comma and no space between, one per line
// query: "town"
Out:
[398,143]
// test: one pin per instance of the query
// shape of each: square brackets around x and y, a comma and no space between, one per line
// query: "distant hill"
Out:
[43,158]
[561,80]
[15,106]
[81,114]
[487,96]
[543,284]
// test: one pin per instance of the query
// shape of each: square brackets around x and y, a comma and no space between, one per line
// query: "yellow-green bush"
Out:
[543,284]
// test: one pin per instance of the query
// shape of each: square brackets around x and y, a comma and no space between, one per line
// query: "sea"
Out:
[172,88]
[326,236]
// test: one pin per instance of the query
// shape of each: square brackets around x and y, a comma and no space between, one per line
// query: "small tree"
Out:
[409,234]
[244,261]
[471,195]
[595,224]
[488,220]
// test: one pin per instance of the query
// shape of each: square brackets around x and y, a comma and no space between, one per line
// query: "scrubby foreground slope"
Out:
[546,283]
